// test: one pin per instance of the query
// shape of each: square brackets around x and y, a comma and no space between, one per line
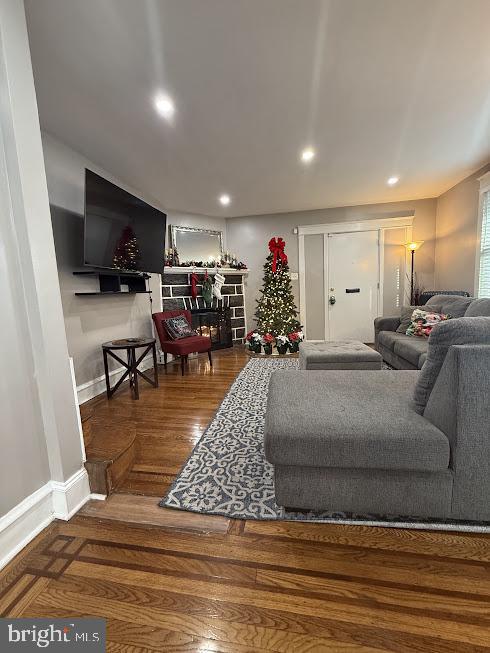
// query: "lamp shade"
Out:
[414,245]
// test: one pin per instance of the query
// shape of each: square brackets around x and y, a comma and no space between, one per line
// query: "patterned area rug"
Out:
[227,473]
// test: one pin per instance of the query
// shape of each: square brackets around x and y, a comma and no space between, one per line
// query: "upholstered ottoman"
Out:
[338,355]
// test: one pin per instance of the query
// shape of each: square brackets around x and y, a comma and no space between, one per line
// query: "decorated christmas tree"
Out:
[127,253]
[276,311]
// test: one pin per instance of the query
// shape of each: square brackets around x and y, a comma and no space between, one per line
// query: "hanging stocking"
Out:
[194,280]
[207,289]
[218,282]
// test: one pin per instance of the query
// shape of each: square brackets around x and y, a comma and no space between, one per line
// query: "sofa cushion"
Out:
[452,305]
[422,359]
[411,348]
[350,419]
[462,331]
[405,318]
[185,346]
[389,338]
[479,308]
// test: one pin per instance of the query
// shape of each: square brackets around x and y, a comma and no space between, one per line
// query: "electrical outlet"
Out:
[294,276]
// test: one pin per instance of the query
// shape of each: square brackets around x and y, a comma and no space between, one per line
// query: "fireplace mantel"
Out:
[184,270]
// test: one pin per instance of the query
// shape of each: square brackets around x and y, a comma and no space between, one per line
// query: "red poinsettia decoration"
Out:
[268,337]
[294,337]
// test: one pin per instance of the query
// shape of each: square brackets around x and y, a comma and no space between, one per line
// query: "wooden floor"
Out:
[173,581]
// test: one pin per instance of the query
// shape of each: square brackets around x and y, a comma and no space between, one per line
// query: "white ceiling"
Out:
[378,87]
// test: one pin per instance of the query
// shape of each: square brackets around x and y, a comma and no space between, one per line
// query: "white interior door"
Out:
[352,285]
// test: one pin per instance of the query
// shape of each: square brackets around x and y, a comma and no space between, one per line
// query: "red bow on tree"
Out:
[276,246]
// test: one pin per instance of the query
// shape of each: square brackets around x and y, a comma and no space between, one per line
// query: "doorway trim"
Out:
[374,224]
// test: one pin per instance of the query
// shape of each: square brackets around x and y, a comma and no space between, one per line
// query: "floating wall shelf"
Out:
[110,282]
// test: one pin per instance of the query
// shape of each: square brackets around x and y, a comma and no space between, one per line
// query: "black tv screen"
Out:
[121,231]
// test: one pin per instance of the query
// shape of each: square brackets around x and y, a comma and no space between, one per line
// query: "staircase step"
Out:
[110,455]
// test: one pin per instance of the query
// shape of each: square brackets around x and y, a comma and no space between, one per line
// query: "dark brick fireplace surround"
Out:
[176,293]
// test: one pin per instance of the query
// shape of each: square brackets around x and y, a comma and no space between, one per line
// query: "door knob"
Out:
[332,299]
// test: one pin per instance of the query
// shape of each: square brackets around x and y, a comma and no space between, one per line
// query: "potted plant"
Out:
[282,344]
[254,341]
[267,342]
[294,339]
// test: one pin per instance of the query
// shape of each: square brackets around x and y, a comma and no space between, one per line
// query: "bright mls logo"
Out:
[84,635]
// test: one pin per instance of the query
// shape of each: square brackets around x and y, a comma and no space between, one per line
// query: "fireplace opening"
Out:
[215,323]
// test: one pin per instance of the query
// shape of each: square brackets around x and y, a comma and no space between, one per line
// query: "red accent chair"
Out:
[184,346]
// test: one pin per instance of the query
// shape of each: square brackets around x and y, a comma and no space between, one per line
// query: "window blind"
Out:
[484,283]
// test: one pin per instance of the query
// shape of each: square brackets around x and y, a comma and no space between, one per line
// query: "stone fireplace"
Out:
[176,293]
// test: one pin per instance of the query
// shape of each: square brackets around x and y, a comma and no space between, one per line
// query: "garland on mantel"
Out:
[227,261]
[210,266]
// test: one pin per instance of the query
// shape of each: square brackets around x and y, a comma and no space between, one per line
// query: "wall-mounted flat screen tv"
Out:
[121,231]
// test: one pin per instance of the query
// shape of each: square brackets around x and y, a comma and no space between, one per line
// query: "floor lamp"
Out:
[412,247]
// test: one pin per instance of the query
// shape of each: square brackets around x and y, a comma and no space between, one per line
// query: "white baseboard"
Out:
[69,497]
[98,497]
[55,500]
[21,524]
[95,387]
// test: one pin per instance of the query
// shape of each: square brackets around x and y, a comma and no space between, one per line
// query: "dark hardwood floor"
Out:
[172,581]
[168,420]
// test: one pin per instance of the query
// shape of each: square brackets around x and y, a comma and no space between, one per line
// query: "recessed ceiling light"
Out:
[392,181]
[224,199]
[307,155]
[165,106]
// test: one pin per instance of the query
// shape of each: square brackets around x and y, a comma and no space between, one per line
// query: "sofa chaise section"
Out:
[344,419]
[350,441]
[403,443]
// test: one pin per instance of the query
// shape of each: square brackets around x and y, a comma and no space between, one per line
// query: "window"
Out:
[484,266]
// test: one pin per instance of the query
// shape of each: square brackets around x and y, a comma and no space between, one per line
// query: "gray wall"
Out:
[248,237]
[456,233]
[93,320]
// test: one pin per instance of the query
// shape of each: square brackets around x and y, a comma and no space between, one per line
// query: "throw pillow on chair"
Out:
[178,327]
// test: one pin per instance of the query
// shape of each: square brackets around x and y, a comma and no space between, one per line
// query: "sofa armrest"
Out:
[458,405]
[385,324]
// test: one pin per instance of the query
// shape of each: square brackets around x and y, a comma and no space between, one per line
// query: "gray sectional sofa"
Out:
[405,443]
[409,353]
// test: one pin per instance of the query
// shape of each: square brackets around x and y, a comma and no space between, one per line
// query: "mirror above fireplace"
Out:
[193,244]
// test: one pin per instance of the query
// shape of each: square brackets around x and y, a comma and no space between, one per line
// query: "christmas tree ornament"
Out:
[218,283]
[127,253]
